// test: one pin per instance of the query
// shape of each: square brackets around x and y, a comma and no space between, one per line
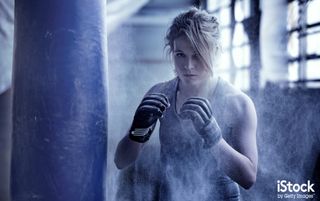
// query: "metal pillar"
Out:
[252,28]
[59,101]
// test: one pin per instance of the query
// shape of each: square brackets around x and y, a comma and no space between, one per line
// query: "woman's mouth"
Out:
[189,75]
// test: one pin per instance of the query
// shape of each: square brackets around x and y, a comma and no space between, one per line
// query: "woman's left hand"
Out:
[199,111]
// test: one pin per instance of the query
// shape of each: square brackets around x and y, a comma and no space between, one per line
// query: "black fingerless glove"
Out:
[148,112]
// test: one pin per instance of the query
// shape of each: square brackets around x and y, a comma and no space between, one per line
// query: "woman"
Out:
[207,127]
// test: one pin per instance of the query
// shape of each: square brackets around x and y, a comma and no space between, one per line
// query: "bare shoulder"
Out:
[239,109]
[239,102]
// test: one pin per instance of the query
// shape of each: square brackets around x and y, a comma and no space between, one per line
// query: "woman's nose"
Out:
[190,64]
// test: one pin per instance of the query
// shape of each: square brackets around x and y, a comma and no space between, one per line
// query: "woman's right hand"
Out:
[148,112]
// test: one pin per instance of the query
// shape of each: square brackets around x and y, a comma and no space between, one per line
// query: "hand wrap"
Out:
[199,111]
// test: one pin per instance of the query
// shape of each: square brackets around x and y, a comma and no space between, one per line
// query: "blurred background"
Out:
[271,50]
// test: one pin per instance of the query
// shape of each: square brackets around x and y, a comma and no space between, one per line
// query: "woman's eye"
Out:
[179,54]
[196,56]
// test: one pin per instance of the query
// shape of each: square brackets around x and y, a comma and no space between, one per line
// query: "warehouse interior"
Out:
[271,51]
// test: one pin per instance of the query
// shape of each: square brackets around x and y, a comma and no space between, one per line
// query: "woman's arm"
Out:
[148,112]
[127,152]
[240,160]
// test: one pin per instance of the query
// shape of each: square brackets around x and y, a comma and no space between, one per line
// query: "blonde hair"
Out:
[202,29]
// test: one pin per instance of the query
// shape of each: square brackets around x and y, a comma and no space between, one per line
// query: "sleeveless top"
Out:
[188,171]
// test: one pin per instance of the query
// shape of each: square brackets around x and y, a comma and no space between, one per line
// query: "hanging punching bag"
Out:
[59,101]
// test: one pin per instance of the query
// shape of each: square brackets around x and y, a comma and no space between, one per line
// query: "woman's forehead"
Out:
[183,43]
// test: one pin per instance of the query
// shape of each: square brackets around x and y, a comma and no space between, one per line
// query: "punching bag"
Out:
[59,101]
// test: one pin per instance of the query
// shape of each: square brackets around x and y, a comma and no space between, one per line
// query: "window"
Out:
[303,24]
[235,59]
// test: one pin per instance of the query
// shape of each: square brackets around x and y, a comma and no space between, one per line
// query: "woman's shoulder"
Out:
[164,87]
[237,103]
[229,91]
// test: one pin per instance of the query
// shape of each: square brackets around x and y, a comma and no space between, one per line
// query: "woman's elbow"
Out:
[249,181]
[119,164]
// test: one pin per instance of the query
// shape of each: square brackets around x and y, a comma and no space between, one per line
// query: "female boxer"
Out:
[207,126]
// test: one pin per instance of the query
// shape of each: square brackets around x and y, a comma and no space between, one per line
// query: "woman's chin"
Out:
[191,80]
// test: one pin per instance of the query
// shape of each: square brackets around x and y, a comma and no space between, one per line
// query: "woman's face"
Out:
[188,65]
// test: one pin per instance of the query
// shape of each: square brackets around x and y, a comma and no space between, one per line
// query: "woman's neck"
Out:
[200,89]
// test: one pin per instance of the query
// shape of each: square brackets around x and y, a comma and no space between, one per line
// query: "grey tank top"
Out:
[188,171]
